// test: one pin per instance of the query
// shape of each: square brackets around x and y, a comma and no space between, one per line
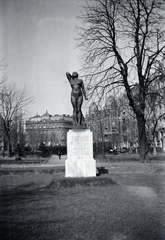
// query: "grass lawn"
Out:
[126,204]
[125,157]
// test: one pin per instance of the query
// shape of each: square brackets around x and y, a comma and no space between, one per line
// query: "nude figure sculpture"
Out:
[77,93]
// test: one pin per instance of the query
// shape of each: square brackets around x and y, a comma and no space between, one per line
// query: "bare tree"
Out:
[12,104]
[122,41]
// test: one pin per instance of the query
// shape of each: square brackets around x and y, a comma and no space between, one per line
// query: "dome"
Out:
[46,114]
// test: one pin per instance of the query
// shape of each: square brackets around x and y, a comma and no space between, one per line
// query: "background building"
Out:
[50,129]
[158,116]
[112,125]
[115,124]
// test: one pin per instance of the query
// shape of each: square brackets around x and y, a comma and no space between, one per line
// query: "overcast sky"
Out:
[37,42]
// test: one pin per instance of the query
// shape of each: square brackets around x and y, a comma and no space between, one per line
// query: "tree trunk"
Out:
[103,151]
[143,143]
[9,146]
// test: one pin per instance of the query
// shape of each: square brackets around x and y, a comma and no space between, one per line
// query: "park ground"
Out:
[127,203]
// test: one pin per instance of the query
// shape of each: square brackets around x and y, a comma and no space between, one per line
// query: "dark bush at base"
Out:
[102,170]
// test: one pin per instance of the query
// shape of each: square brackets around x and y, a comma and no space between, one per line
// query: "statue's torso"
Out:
[76,85]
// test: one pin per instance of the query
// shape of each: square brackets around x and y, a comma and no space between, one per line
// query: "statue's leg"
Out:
[74,104]
[79,104]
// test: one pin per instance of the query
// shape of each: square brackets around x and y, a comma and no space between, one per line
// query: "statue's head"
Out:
[74,74]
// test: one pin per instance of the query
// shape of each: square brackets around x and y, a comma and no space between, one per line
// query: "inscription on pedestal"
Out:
[85,141]
[80,145]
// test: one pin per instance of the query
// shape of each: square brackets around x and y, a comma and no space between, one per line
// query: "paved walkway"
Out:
[55,161]
[52,162]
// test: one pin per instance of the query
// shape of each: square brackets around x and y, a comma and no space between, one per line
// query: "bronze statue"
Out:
[77,93]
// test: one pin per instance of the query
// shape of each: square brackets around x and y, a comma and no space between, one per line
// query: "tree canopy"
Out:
[122,42]
[12,104]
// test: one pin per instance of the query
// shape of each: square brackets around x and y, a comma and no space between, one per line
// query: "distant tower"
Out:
[108,103]
[93,109]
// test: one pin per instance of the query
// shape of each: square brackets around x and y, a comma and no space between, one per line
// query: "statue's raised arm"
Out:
[69,77]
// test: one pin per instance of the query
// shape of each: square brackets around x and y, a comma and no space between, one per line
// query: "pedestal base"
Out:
[80,162]
[80,168]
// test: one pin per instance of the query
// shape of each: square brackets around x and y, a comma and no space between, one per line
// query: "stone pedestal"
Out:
[80,162]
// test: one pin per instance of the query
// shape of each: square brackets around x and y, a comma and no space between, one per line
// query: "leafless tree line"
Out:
[13,105]
[122,42]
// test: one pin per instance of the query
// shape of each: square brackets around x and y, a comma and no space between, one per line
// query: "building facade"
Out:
[112,125]
[159,139]
[50,129]
[115,124]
